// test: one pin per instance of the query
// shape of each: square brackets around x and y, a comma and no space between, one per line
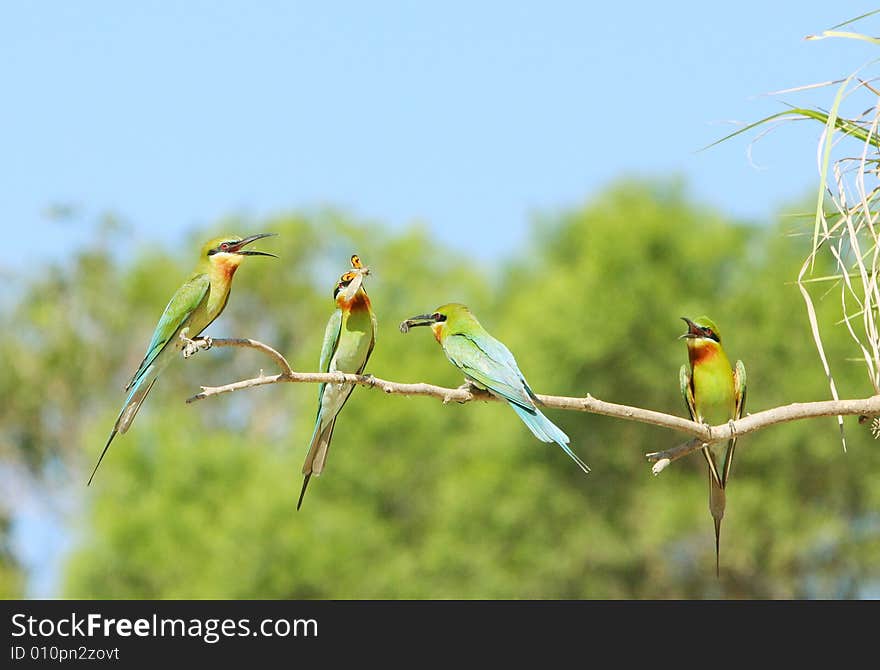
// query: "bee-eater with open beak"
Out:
[714,394]
[348,342]
[191,309]
[489,365]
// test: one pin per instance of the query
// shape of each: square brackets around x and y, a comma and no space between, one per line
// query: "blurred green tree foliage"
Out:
[421,500]
[11,577]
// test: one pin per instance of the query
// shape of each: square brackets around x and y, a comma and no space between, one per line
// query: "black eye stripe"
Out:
[222,247]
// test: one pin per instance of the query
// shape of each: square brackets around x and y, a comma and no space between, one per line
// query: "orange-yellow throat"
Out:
[439,330]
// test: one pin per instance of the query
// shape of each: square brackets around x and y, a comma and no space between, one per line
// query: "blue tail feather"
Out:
[133,402]
[547,431]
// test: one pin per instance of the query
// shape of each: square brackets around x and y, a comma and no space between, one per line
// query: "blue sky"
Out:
[468,117]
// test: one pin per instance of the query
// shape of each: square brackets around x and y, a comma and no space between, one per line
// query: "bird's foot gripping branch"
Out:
[473,392]
[193,346]
[701,435]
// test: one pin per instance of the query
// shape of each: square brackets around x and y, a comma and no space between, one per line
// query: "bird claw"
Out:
[473,388]
[192,346]
[477,392]
[468,386]
[732,425]
[708,427]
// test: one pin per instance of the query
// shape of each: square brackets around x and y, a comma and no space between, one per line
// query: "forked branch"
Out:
[700,434]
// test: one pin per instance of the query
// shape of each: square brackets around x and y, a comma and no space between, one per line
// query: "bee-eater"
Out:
[489,365]
[348,342]
[191,309]
[714,394]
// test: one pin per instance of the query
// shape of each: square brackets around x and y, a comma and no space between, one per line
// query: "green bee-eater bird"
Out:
[191,309]
[489,365]
[348,342]
[714,394]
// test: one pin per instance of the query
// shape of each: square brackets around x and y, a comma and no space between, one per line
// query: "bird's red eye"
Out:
[224,246]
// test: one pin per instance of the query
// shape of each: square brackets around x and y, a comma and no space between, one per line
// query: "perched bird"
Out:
[348,342]
[714,394]
[191,309]
[489,365]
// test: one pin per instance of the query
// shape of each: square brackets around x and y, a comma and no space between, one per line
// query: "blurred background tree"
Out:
[421,500]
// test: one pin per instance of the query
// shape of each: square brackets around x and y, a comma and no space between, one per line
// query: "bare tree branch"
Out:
[701,434]
[194,345]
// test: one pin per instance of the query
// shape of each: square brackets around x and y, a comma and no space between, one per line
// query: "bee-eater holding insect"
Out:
[489,365]
[348,342]
[191,309]
[714,394]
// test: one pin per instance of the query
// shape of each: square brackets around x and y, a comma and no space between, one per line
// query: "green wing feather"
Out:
[177,312]
[687,390]
[331,340]
[372,341]
[496,375]
[739,382]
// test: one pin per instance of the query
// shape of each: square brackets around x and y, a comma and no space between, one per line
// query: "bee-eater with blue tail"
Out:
[489,365]
[714,394]
[191,309]
[348,342]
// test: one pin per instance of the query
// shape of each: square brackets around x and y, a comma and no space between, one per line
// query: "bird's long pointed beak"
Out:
[239,248]
[693,330]
[413,321]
